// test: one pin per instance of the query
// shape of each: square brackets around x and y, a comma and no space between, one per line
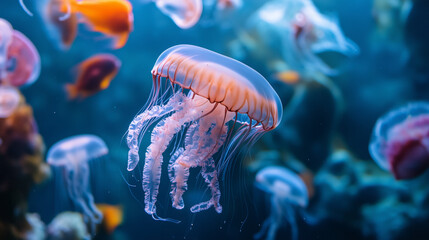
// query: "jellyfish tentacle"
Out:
[78,189]
[161,136]
[290,218]
[210,175]
[142,121]
[203,140]
[263,230]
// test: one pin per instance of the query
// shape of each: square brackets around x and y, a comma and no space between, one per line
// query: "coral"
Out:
[21,167]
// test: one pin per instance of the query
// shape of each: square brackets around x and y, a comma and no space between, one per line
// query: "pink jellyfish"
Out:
[23,61]
[400,141]
[184,13]
[212,101]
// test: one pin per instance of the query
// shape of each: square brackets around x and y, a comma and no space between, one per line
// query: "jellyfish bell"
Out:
[184,13]
[284,183]
[206,96]
[23,64]
[72,156]
[9,100]
[80,148]
[400,141]
[287,191]
[5,40]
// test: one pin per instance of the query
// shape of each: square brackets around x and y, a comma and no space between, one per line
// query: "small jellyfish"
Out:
[287,191]
[94,75]
[72,156]
[23,61]
[184,13]
[5,40]
[400,141]
[112,18]
[9,100]
[302,33]
[205,97]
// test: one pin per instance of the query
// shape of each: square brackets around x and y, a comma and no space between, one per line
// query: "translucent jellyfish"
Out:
[400,141]
[209,102]
[302,33]
[5,39]
[9,100]
[72,156]
[23,61]
[287,192]
[184,13]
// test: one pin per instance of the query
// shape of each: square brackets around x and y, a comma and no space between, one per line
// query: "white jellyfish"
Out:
[184,13]
[287,192]
[71,156]
[301,33]
[9,100]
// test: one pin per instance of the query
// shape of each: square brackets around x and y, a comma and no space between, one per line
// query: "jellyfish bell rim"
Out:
[231,62]
[386,123]
[51,159]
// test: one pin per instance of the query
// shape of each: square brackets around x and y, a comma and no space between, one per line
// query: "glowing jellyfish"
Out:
[287,192]
[23,64]
[72,155]
[9,100]
[400,141]
[206,95]
[5,39]
[184,13]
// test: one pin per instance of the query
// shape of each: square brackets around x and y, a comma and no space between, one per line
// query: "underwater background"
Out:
[324,135]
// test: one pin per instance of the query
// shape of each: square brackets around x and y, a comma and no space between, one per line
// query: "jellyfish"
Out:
[400,141]
[184,13]
[287,191]
[9,100]
[303,34]
[72,156]
[204,98]
[5,39]
[23,61]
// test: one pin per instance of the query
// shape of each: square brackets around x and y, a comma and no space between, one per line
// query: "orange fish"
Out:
[288,77]
[112,216]
[94,75]
[113,18]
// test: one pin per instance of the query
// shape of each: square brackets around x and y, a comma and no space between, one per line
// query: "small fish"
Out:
[94,75]
[288,77]
[112,216]
[113,18]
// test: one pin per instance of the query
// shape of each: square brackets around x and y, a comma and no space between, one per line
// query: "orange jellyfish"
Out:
[184,13]
[112,18]
[94,75]
[217,103]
